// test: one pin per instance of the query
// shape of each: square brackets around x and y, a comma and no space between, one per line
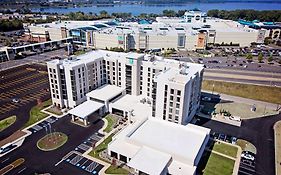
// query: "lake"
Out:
[141,8]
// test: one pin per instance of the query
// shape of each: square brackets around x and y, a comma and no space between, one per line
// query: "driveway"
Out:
[258,131]
[37,161]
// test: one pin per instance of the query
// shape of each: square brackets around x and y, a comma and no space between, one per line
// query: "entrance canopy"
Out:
[85,109]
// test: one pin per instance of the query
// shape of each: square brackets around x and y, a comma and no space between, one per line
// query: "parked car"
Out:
[249,152]
[16,100]
[215,135]
[7,148]
[206,98]
[222,137]
[247,156]
[233,140]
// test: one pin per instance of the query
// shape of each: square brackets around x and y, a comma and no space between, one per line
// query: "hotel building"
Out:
[171,88]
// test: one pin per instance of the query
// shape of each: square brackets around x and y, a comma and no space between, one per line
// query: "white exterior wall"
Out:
[101,40]
[162,41]
[55,84]
[242,38]
[115,70]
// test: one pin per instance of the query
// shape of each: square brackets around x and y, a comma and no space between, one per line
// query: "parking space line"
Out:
[243,172]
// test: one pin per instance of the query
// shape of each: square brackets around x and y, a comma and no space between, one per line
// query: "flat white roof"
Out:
[150,161]
[105,92]
[132,102]
[85,109]
[182,142]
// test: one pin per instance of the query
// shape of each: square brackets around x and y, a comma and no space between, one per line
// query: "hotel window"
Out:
[177,105]
[171,91]
[170,116]
[178,99]
[181,40]
[178,93]
[171,104]
[171,98]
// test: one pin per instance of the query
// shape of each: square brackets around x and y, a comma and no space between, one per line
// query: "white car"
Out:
[248,156]
[16,100]
[234,118]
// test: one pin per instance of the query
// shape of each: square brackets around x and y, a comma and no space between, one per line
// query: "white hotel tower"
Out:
[174,87]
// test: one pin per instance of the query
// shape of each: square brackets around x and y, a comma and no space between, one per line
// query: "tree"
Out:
[249,57]
[181,13]
[103,14]
[169,13]
[267,40]
[260,57]
[270,58]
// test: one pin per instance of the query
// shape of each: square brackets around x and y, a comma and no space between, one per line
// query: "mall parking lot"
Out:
[22,85]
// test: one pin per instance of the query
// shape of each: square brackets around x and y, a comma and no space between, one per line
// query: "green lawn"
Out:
[112,120]
[102,146]
[5,123]
[116,170]
[52,141]
[79,52]
[225,149]
[218,165]
[35,113]
[263,93]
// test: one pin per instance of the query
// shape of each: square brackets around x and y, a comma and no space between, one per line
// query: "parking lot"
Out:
[83,163]
[20,89]
[26,83]
[247,167]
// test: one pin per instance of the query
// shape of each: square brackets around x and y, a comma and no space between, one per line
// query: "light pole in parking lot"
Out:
[213,88]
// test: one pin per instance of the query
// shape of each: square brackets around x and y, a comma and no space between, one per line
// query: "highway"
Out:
[237,69]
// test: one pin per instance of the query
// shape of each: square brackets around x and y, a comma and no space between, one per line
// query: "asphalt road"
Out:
[258,131]
[235,66]
[37,161]
[236,80]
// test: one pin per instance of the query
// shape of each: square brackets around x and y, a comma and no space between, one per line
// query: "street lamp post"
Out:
[213,88]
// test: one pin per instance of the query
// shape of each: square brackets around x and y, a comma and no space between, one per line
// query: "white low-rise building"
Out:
[192,31]
[157,147]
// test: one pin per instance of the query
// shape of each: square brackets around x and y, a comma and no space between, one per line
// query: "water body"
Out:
[141,8]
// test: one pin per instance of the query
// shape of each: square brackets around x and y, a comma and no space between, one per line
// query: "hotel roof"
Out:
[105,92]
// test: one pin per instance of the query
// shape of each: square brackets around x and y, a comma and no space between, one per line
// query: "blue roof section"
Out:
[99,26]
[144,22]
[266,25]
[86,28]
[269,23]
[112,23]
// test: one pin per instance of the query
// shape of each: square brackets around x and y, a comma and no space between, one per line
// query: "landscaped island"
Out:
[52,141]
